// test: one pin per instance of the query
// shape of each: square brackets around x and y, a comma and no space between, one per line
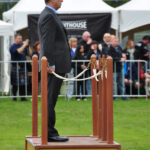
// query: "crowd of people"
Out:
[129,77]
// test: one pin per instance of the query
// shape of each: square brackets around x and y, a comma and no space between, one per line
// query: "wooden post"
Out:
[44,133]
[94,97]
[35,95]
[100,102]
[109,100]
[104,103]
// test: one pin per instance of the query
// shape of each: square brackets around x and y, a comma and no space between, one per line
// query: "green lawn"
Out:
[131,122]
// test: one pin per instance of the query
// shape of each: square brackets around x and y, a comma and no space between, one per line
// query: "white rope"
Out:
[94,72]
[79,75]
[89,78]
[106,74]
[73,79]
[58,76]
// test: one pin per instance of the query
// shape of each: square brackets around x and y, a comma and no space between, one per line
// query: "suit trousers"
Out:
[54,86]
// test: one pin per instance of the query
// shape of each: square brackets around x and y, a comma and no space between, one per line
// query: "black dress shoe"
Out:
[58,139]
[23,99]
[15,99]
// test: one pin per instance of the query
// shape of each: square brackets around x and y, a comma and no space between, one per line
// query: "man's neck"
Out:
[95,50]
[51,5]
[16,43]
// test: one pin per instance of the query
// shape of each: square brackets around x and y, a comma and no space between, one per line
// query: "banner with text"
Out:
[76,24]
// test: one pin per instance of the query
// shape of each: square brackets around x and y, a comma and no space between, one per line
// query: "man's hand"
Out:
[89,41]
[51,69]
[124,58]
[83,67]
[26,43]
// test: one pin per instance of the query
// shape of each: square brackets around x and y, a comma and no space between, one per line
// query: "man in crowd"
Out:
[18,53]
[115,52]
[141,49]
[54,45]
[86,41]
[106,43]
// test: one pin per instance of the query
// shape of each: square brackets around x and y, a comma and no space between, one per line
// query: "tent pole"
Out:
[119,24]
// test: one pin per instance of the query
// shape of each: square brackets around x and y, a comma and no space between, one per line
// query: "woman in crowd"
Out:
[80,66]
[133,71]
[36,49]
[73,47]
[130,69]
[94,50]
[129,50]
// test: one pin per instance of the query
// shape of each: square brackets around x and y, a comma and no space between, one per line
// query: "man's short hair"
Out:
[18,34]
[46,1]
[146,37]
[106,35]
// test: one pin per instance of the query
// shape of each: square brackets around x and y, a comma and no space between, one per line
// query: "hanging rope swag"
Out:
[95,73]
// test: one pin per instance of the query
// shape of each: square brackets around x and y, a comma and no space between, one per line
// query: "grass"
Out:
[131,122]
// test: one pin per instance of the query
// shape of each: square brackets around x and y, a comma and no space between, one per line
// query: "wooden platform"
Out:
[74,143]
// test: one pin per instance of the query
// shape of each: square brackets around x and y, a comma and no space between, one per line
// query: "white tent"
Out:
[18,14]
[133,14]
[6,31]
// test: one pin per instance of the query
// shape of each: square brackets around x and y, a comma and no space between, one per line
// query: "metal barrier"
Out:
[137,88]
[132,77]
[15,78]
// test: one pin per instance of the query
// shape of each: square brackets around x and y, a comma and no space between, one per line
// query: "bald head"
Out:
[107,38]
[86,35]
[114,42]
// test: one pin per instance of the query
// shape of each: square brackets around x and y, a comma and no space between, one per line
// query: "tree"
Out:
[4,7]
[116,3]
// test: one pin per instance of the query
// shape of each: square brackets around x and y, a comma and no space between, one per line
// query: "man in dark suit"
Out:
[54,45]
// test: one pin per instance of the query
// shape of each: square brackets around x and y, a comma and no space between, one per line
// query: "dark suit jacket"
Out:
[53,41]
[116,54]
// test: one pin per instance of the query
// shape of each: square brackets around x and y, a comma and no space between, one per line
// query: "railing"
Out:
[23,76]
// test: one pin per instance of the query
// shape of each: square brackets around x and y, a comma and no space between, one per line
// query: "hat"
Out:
[94,42]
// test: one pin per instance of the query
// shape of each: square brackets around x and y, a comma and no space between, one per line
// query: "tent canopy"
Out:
[134,14]
[6,28]
[18,14]
[6,31]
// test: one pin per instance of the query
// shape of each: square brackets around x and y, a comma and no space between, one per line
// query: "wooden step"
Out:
[74,143]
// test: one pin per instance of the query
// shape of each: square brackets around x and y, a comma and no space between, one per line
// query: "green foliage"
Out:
[131,122]
[116,3]
[4,7]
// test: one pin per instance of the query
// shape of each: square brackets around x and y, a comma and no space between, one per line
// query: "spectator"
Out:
[129,50]
[131,78]
[130,69]
[86,41]
[112,36]
[94,50]
[106,43]
[147,83]
[80,55]
[18,52]
[141,49]
[143,76]
[73,47]
[116,53]
[36,49]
